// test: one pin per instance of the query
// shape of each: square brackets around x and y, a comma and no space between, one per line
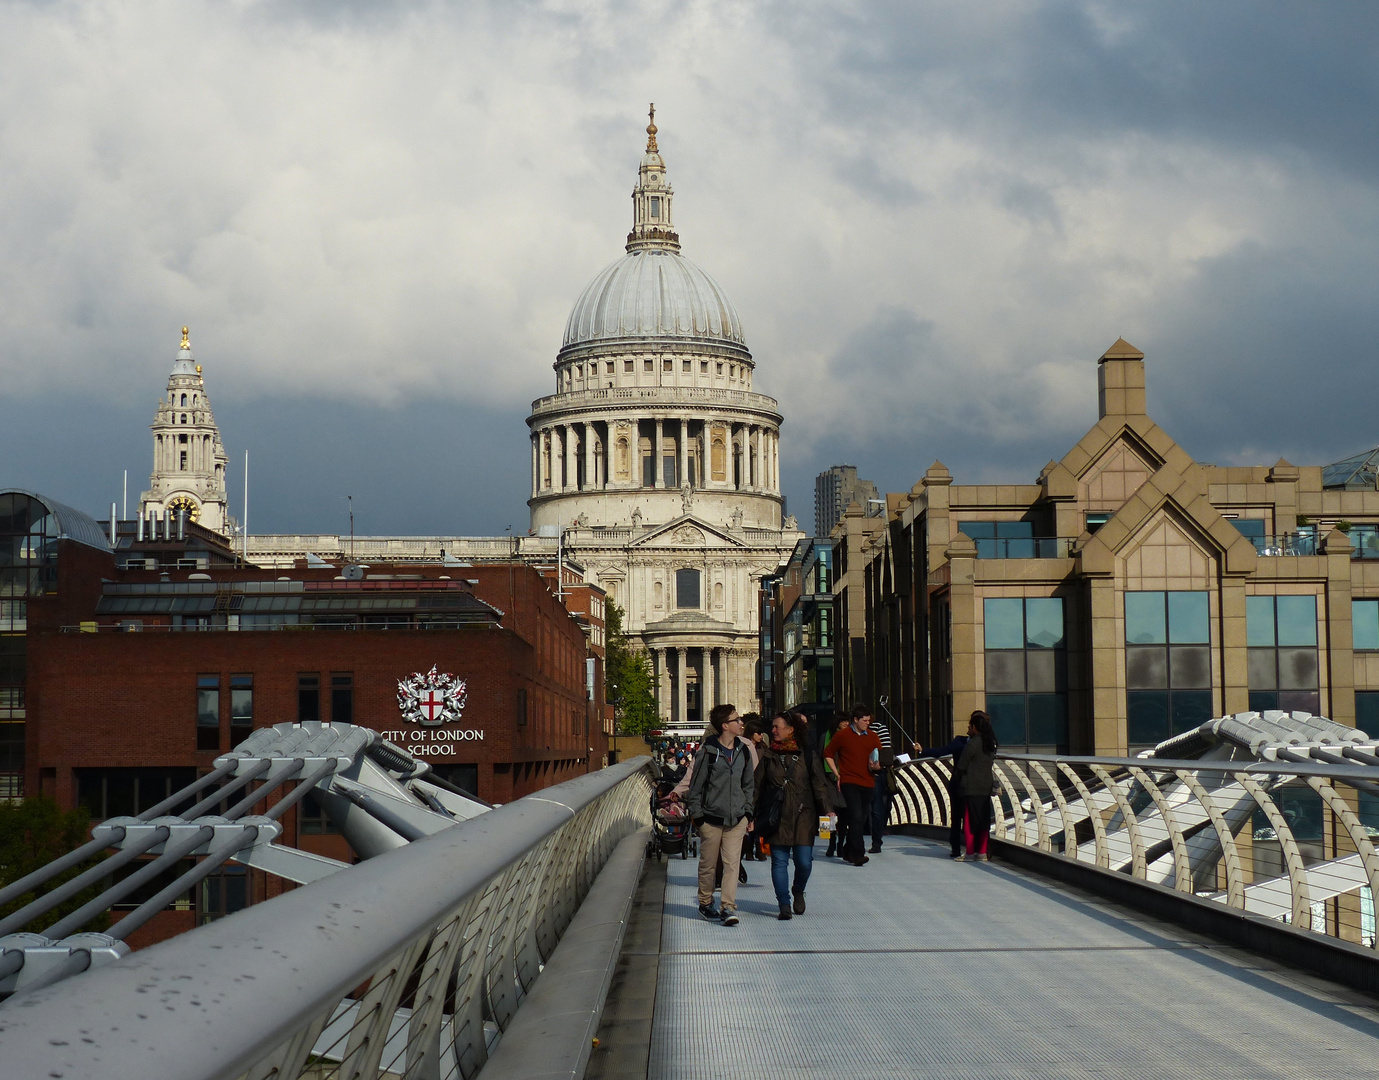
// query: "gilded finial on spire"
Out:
[651,131]
[185,343]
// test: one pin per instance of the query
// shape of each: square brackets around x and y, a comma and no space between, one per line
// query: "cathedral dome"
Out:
[651,293]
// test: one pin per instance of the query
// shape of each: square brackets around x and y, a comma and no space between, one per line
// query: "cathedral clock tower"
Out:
[188,457]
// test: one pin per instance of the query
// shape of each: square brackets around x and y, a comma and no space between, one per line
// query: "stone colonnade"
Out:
[574,456]
[722,674]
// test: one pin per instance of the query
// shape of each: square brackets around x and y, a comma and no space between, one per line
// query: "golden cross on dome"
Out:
[651,131]
[185,343]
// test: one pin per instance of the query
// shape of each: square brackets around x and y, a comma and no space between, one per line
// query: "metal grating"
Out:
[915,965]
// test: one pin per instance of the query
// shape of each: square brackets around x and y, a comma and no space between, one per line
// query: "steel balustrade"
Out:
[410,964]
[1291,839]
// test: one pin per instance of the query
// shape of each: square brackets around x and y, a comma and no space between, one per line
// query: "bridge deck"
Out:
[918,966]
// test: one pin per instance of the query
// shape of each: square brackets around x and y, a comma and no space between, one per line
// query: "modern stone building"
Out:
[1128,594]
[188,457]
[835,489]
[659,465]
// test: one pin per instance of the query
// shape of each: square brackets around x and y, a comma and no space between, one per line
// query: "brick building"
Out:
[125,683]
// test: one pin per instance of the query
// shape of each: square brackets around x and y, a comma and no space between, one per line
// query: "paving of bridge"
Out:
[919,966]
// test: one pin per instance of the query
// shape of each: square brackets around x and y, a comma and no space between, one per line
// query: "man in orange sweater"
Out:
[854,754]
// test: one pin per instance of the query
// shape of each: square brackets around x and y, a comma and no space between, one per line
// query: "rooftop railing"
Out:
[1022,547]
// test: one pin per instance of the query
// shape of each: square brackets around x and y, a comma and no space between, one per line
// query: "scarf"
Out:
[788,745]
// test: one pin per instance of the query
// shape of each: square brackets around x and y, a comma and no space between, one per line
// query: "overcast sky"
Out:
[932,218]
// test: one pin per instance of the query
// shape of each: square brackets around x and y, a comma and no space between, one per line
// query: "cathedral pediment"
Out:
[686,531]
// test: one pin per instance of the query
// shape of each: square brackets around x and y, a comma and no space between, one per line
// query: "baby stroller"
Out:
[671,832]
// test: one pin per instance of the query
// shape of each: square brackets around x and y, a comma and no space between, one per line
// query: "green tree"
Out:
[630,686]
[33,833]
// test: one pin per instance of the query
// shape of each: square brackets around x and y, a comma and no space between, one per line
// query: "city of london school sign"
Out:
[427,702]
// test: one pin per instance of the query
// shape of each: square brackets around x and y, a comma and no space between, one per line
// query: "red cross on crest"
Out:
[432,704]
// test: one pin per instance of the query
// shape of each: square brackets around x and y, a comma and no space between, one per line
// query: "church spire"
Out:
[652,226]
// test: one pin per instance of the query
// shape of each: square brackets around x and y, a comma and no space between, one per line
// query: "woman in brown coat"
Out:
[791,774]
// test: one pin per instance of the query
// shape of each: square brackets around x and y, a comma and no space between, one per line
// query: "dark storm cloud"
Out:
[932,218]
[1243,75]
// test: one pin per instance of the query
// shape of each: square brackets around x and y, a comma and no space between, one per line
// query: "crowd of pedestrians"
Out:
[758,790]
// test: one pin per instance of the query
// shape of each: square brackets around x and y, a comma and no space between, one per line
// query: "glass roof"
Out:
[1356,473]
[71,524]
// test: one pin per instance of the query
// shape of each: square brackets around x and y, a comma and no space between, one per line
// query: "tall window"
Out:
[241,708]
[1027,671]
[208,712]
[308,698]
[342,698]
[687,588]
[1281,632]
[1364,622]
[1167,664]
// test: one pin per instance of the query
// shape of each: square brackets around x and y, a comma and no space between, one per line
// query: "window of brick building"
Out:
[1167,664]
[1027,671]
[241,708]
[108,793]
[342,698]
[223,893]
[1282,660]
[208,712]
[308,698]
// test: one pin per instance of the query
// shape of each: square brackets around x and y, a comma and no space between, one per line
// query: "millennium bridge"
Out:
[1203,910]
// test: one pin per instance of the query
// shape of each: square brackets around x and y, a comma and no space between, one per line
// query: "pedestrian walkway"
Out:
[917,966]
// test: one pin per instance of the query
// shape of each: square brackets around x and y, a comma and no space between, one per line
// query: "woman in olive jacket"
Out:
[975,768]
[789,763]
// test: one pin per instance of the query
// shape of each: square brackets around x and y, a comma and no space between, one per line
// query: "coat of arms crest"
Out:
[431,699]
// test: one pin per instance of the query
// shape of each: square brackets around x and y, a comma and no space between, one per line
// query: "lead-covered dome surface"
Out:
[653,294]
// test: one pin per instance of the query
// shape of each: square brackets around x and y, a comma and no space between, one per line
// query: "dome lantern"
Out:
[652,226]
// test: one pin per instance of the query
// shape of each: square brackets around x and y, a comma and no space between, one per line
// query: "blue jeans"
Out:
[780,869]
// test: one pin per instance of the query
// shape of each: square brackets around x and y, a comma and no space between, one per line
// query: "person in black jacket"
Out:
[955,797]
[976,770]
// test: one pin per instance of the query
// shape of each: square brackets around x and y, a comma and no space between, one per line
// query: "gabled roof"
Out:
[1358,473]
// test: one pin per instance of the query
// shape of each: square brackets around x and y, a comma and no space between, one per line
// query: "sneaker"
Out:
[983,857]
[875,849]
[742,875]
[799,903]
[960,858]
[955,855]
[709,911]
[729,917]
[785,913]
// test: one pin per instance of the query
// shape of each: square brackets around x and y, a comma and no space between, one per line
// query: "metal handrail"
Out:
[1216,828]
[456,925]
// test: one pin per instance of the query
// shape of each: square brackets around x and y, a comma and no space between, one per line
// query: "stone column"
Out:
[571,459]
[683,455]
[658,477]
[658,669]
[590,481]
[557,459]
[759,473]
[681,684]
[535,464]
[709,683]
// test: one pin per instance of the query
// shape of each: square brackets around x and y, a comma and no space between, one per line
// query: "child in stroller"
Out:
[671,830]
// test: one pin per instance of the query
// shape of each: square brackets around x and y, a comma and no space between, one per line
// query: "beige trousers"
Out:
[714,840]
